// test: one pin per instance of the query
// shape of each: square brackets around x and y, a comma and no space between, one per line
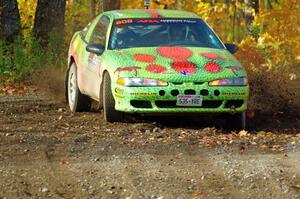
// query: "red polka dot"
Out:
[144,58]
[176,53]
[212,67]
[212,56]
[185,68]
[156,68]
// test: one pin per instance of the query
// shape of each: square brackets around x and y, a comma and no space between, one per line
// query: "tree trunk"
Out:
[93,8]
[110,5]
[268,4]
[249,17]
[9,19]
[49,17]
[255,5]
[234,20]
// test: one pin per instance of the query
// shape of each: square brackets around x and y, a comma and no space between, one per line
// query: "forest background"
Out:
[35,34]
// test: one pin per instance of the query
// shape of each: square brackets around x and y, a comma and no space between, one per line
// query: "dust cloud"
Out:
[51,82]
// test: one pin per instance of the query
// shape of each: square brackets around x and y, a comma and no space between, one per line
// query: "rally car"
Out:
[155,61]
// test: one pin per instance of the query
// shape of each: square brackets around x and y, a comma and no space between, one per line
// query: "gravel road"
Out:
[48,152]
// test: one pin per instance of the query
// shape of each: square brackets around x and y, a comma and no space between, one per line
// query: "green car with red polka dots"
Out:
[155,61]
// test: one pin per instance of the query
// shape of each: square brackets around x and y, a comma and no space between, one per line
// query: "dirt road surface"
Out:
[48,152]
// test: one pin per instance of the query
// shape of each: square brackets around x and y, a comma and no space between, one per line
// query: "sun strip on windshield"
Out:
[121,22]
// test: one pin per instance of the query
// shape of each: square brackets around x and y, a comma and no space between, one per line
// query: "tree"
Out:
[93,8]
[49,17]
[9,19]
[252,7]
[111,5]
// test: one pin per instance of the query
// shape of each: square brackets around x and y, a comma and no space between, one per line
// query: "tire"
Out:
[110,113]
[77,101]
[100,103]
[237,121]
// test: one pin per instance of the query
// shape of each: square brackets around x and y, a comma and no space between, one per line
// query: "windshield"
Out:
[131,33]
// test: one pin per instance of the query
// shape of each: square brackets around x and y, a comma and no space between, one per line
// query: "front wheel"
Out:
[110,113]
[237,121]
[77,101]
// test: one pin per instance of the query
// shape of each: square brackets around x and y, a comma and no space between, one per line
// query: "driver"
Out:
[178,33]
[123,37]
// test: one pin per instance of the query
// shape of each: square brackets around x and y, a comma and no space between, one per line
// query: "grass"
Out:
[21,58]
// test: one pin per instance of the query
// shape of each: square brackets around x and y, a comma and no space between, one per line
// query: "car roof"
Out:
[149,13]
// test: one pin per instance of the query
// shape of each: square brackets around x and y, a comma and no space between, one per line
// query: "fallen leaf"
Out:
[242,149]
[297,187]
[269,134]
[261,133]
[263,146]
[292,76]
[243,133]
[197,193]
[11,91]
[276,147]
[64,162]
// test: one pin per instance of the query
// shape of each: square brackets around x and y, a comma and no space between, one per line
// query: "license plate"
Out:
[189,100]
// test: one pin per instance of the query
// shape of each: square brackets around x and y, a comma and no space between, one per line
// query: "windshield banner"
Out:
[153,21]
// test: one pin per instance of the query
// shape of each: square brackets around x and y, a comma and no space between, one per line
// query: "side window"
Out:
[99,34]
[85,31]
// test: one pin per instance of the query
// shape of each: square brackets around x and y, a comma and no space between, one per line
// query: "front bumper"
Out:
[223,99]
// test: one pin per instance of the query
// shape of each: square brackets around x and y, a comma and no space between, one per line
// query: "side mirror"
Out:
[97,49]
[232,48]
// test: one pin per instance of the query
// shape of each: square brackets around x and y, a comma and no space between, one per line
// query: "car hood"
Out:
[173,63]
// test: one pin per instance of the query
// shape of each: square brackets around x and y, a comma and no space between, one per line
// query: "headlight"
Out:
[229,82]
[140,82]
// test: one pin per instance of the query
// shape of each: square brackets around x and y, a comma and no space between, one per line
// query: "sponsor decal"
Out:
[93,59]
[155,19]
[144,94]
[233,93]
[148,21]
[177,21]
[123,21]
[184,68]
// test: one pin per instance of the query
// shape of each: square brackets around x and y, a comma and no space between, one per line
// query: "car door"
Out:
[80,51]
[92,61]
